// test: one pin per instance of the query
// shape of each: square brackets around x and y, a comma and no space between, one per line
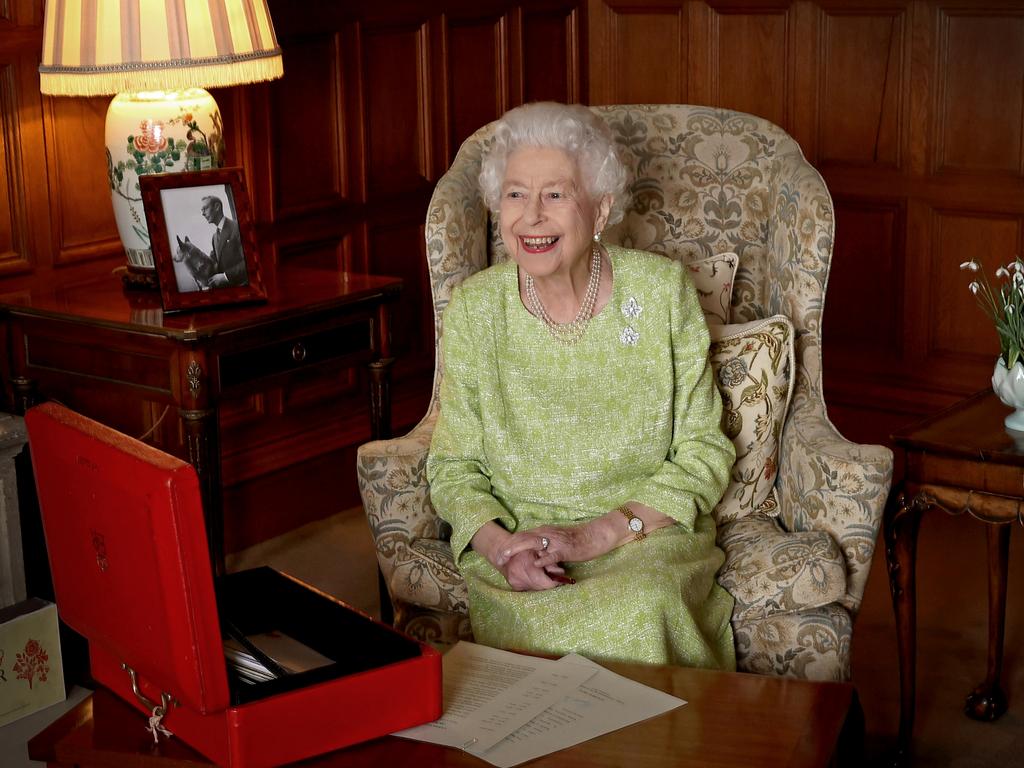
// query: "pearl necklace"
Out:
[569,333]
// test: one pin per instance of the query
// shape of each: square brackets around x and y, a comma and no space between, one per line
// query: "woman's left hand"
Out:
[565,544]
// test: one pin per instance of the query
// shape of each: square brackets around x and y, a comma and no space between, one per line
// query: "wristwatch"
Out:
[636,525]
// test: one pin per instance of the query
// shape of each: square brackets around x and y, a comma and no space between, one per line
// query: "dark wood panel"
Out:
[981,98]
[958,327]
[395,90]
[81,217]
[307,123]
[757,80]
[864,305]
[649,51]
[477,56]
[398,249]
[862,78]
[13,225]
[551,65]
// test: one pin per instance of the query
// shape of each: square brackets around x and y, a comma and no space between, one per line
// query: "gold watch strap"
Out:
[628,513]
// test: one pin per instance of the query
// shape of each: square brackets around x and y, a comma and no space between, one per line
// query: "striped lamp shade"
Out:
[95,47]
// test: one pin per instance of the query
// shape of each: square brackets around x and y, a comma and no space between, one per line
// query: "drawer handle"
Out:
[298,352]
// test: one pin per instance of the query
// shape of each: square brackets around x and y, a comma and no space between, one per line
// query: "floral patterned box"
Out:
[31,676]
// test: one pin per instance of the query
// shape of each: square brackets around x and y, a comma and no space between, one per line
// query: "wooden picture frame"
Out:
[191,216]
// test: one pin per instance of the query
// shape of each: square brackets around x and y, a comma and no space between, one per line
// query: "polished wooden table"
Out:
[66,340]
[961,461]
[731,719]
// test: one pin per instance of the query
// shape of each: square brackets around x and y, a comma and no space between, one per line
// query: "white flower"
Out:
[1018,280]
[971,265]
[1001,272]
[1015,266]
[1009,309]
[974,287]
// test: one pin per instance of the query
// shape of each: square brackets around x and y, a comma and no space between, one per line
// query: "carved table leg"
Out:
[987,701]
[202,441]
[380,398]
[902,517]
[24,394]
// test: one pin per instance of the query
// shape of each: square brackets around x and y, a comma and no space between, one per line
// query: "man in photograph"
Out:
[227,245]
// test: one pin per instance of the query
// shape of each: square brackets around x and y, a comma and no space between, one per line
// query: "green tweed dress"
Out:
[533,432]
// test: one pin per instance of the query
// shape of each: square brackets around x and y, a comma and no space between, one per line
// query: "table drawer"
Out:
[352,340]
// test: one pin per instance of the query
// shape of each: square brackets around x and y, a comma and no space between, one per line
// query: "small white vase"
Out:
[1009,386]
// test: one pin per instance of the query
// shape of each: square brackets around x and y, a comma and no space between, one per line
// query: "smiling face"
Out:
[548,220]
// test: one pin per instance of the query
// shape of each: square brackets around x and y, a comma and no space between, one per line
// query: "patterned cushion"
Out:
[713,278]
[769,570]
[753,365]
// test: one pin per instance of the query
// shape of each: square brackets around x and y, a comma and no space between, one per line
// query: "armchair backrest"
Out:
[704,181]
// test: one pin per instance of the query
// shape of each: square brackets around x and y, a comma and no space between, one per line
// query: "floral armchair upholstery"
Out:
[705,181]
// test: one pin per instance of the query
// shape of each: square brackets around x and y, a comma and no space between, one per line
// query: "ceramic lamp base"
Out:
[156,132]
[139,279]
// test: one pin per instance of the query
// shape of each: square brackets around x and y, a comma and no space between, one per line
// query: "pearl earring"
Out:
[597,237]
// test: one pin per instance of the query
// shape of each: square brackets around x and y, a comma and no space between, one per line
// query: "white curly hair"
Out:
[574,129]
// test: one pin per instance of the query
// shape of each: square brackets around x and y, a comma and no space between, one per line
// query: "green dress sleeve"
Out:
[457,467]
[695,472]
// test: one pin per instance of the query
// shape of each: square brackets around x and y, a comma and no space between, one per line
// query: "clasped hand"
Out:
[527,564]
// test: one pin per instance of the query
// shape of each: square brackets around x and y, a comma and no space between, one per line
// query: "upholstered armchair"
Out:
[705,181]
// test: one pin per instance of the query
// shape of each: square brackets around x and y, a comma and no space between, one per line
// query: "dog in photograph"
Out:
[198,263]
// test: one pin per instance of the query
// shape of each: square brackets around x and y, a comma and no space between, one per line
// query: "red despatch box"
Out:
[131,570]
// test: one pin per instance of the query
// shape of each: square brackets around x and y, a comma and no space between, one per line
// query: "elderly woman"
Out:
[578,454]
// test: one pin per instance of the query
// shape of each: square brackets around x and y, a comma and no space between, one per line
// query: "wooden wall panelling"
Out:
[980,90]
[15,255]
[956,327]
[551,54]
[638,51]
[81,214]
[397,103]
[864,305]
[476,64]
[862,68]
[308,128]
[751,50]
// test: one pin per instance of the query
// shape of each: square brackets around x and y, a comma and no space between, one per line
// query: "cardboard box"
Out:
[128,551]
[31,677]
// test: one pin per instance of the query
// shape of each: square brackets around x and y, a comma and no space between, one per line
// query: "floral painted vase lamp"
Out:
[158,56]
[1004,304]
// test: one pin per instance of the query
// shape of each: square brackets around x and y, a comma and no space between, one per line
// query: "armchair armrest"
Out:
[396,496]
[828,483]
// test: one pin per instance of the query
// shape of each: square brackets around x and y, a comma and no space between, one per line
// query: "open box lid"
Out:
[128,552]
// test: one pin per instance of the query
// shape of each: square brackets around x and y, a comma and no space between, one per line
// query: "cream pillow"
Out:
[754,370]
[713,278]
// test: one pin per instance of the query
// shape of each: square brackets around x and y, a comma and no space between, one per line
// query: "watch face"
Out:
[636,524]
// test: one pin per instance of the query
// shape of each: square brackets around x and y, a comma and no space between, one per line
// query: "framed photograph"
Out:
[201,233]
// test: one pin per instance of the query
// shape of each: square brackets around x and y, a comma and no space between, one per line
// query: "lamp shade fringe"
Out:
[170,77]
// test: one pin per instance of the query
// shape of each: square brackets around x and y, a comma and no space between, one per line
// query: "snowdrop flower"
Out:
[974,287]
[1002,272]
[1009,309]
[970,265]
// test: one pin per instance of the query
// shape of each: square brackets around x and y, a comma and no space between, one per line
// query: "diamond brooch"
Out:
[632,308]
[629,336]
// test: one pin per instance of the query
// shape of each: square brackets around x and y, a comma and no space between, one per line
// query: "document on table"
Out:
[507,708]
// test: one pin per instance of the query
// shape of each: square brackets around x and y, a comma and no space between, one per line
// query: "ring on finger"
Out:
[544,542]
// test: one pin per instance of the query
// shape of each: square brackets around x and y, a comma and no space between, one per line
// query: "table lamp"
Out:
[158,56]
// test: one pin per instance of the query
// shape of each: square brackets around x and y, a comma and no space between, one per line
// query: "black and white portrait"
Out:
[204,238]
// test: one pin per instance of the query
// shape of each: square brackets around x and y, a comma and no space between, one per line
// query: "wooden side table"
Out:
[78,341]
[961,461]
